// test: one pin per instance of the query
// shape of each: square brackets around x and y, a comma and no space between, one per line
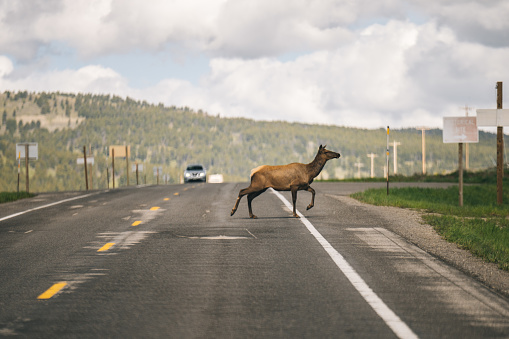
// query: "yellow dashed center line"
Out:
[155,208]
[52,290]
[136,223]
[176,193]
[166,199]
[106,247]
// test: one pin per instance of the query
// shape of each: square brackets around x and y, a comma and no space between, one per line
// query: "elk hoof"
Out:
[296,215]
[252,216]
[232,213]
[309,207]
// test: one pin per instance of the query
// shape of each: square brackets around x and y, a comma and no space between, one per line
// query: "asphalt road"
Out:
[170,262]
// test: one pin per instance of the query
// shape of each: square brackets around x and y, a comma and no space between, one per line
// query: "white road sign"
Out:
[81,161]
[460,130]
[33,150]
[492,117]
[140,168]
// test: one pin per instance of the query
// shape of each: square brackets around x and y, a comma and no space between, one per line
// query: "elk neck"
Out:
[315,167]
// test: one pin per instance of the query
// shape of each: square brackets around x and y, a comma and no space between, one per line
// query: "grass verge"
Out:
[480,226]
[13,196]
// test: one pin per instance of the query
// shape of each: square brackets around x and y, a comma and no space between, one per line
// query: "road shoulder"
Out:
[409,225]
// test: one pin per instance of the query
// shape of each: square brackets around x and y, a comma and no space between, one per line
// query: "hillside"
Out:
[172,137]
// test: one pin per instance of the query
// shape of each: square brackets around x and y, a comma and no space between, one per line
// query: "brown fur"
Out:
[292,177]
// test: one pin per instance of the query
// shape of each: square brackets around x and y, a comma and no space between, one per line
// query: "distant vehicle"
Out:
[215,178]
[195,173]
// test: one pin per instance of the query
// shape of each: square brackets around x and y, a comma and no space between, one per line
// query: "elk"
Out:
[292,177]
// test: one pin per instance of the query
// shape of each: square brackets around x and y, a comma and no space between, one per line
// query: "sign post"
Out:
[127,164]
[19,166]
[157,170]
[87,160]
[137,168]
[119,151]
[113,167]
[496,117]
[460,130]
[28,150]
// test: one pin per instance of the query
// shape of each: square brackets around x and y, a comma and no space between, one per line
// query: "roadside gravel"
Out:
[410,225]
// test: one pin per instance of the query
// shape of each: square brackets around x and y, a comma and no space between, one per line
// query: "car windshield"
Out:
[195,168]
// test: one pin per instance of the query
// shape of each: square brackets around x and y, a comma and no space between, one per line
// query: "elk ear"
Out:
[321,147]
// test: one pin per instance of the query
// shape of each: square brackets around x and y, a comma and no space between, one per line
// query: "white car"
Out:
[195,173]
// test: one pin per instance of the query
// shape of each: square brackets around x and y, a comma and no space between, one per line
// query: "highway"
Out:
[170,262]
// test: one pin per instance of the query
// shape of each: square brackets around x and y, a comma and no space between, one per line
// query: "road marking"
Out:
[44,206]
[106,247]
[176,193]
[136,223]
[52,290]
[388,316]
[155,208]
[166,199]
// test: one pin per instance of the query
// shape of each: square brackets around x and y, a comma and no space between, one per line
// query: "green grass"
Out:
[487,176]
[13,196]
[480,226]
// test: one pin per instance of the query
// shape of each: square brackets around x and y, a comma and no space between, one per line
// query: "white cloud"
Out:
[357,63]
[6,66]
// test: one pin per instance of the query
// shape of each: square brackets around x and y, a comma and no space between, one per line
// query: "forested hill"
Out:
[171,137]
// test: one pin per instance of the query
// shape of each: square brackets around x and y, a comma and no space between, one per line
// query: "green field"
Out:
[13,196]
[480,226]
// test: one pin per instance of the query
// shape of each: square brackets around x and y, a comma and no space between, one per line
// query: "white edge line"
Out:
[44,206]
[388,316]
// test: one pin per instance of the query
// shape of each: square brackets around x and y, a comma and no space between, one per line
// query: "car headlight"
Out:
[187,175]
[202,174]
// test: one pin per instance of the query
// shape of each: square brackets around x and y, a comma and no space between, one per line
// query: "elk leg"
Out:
[250,198]
[294,190]
[309,189]
[242,193]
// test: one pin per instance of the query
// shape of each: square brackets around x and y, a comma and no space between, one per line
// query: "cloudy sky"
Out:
[359,63]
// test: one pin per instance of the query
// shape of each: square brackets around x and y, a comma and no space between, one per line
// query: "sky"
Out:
[355,63]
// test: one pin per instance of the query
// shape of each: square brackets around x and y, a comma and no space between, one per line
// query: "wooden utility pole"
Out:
[423,130]
[85,163]
[500,149]
[372,156]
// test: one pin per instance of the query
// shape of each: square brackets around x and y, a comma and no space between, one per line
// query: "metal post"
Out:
[460,172]
[108,176]
[500,149]
[85,163]
[26,167]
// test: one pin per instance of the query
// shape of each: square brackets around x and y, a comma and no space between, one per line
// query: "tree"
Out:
[11,126]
